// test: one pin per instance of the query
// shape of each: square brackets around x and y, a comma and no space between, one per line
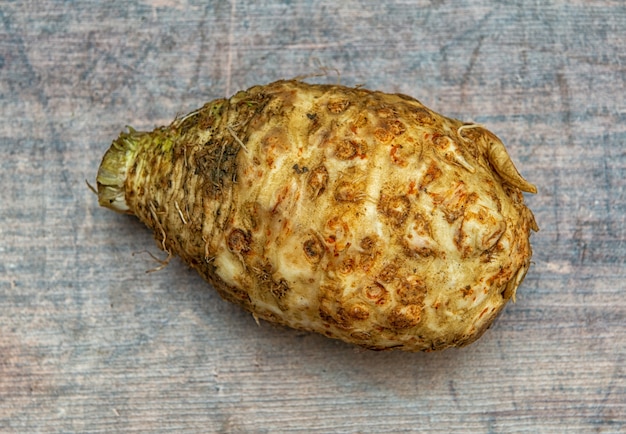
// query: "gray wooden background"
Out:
[91,343]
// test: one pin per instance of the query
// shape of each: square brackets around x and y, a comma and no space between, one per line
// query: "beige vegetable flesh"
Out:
[360,215]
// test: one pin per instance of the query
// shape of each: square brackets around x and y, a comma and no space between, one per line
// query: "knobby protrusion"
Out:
[499,158]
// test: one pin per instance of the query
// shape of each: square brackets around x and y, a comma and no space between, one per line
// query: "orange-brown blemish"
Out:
[403,317]
[423,116]
[396,208]
[317,181]
[314,249]
[238,241]
[338,106]
[396,127]
[349,149]
[432,174]
[281,197]
[347,266]
[395,155]
[358,312]
[383,135]
[376,293]
[467,291]
[389,273]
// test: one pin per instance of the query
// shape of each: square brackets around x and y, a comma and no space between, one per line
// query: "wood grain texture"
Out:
[89,342]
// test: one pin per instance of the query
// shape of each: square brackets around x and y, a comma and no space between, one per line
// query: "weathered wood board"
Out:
[90,342]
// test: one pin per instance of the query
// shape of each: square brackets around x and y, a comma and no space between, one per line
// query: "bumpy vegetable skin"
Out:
[360,215]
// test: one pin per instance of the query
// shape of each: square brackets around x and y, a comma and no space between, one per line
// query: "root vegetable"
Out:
[360,215]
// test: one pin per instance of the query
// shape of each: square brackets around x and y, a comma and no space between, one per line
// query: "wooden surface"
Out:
[91,343]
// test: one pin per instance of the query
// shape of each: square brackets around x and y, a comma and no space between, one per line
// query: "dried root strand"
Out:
[237,139]
[162,262]
[180,213]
